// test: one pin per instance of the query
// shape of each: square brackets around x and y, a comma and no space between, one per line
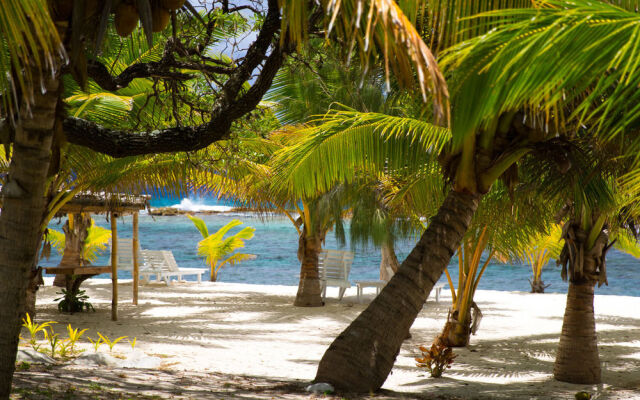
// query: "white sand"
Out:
[254,330]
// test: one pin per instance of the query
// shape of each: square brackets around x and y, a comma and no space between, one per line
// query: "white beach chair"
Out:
[164,266]
[125,258]
[334,267]
[377,283]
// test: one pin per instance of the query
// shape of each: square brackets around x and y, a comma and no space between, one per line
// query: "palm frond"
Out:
[626,243]
[57,240]
[579,53]
[29,39]
[376,27]
[199,223]
[96,242]
[236,259]
[344,142]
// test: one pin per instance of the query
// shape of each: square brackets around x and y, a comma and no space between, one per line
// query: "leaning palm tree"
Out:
[504,112]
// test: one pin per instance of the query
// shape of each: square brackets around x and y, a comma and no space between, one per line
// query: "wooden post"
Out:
[136,268]
[114,267]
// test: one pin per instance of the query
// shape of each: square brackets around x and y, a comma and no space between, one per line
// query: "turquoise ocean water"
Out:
[275,244]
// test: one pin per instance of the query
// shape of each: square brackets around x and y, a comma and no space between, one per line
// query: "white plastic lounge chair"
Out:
[334,267]
[125,256]
[163,265]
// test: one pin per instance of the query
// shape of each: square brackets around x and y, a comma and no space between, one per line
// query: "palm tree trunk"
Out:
[457,333]
[309,291]
[577,359]
[75,233]
[537,285]
[388,261]
[22,213]
[362,356]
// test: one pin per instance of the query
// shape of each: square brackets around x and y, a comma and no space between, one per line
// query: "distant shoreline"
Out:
[171,211]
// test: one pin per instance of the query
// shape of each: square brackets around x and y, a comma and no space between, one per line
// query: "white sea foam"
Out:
[196,206]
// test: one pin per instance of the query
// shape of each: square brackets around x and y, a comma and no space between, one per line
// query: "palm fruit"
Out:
[126,19]
[159,19]
[172,4]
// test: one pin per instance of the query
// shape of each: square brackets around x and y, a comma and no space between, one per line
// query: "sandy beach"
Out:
[253,331]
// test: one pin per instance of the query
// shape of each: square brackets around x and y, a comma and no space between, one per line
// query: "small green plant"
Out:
[65,348]
[73,301]
[54,340]
[23,366]
[132,343]
[109,342]
[216,249]
[436,359]
[34,328]
[96,343]
[74,336]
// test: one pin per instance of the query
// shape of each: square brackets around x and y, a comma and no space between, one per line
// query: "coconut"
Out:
[172,4]
[126,19]
[159,19]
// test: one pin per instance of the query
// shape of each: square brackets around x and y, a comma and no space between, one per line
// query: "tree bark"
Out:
[457,333]
[537,285]
[213,276]
[34,283]
[309,291]
[577,360]
[388,261]
[362,356]
[22,213]
[73,244]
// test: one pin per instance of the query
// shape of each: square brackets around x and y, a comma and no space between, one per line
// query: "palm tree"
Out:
[582,94]
[79,244]
[34,30]
[495,126]
[542,248]
[303,90]
[217,250]
[31,45]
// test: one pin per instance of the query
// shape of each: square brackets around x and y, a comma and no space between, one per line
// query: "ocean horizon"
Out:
[275,246]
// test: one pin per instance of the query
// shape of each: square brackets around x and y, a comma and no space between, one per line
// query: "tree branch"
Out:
[155,69]
[229,107]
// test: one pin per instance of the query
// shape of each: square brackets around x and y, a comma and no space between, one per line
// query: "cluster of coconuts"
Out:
[126,12]
[126,18]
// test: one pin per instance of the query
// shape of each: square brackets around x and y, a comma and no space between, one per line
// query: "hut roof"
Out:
[101,202]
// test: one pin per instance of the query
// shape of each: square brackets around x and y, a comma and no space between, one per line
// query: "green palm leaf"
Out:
[582,54]
[237,258]
[376,27]
[345,142]
[28,39]
[199,223]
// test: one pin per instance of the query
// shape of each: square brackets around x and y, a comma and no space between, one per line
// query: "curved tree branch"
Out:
[154,69]
[229,107]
